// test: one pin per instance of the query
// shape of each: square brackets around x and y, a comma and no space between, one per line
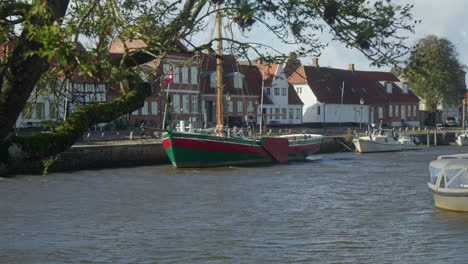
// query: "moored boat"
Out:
[462,139]
[193,150]
[448,182]
[382,140]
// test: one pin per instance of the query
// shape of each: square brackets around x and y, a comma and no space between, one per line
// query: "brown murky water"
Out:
[338,208]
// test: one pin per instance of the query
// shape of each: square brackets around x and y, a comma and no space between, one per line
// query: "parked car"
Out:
[451,121]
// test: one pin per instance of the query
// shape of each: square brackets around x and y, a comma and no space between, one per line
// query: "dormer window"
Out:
[405,87]
[238,80]
[388,87]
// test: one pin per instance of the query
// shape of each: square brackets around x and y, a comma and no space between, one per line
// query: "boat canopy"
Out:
[453,173]
[454,156]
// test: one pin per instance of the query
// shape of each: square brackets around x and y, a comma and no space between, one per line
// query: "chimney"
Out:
[258,60]
[292,55]
[315,62]
[351,67]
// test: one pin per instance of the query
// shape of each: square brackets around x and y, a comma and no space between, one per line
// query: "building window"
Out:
[298,113]
[185,74]
[277,91]
[194,75]
[390,111]
[283,91]
[166,69]
[318,110]
[250,107]
[389,86]
[144,110]
[267,91]
[154,108]
[213,80]
[409,110]
[271,114]
[396,111]
[40,110]
[135,112]
[176,103]
[291,113]
[176,73]
[284,113]
[186,104]
[414,111]
[405,87]
[238,81]
[194,104]
[240,106]
[230,106]
[52,110]
[277,113]
[380,109]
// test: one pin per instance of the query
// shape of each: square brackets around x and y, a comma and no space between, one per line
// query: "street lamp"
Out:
[361,102]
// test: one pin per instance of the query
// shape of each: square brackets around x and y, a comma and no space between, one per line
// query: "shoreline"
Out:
[96,155]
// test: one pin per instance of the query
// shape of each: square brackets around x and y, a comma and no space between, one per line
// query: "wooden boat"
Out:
[189,150]
[382,140]
[448,182]
[201,150]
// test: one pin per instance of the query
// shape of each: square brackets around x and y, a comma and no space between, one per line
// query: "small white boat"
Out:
[448,182]
[462,139]
[381,140]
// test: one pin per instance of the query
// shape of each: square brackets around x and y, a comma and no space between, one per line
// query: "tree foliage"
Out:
[40,31]
[434,72]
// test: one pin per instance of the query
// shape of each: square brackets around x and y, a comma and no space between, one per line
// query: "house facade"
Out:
[281,105]
[346,96]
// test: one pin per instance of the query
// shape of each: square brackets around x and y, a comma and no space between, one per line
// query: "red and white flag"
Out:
[169,79]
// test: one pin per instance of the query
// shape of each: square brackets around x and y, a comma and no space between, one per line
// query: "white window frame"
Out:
[250,107]
[185,74]
[390,110]
[194,104]
[240,106]
[176,75]
[176,103]
[144,109]
[380,110]
[194,75]
[154,108]
[186,103]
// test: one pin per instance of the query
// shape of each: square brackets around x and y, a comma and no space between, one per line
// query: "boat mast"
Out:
[219,73]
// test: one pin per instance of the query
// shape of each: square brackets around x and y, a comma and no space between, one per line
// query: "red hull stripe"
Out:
[218,146]
[166,143]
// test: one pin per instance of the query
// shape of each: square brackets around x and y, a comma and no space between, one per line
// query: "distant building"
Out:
[336,96]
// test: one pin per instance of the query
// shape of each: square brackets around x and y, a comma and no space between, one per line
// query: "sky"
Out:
[443,18]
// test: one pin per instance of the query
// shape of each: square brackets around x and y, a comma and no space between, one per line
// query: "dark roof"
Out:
[327,83]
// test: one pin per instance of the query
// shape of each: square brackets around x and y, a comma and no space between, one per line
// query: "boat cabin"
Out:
[449,172]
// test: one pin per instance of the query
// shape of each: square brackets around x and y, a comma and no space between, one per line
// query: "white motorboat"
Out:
[448,182]
[380,140]
[462,139]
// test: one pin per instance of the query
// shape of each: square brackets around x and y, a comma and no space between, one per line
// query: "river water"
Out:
[337,208]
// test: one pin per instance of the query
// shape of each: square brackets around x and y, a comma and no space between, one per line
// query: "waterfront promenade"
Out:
[111,149]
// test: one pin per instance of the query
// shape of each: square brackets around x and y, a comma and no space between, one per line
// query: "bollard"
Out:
[435,136]
[428,140]
[131,135]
